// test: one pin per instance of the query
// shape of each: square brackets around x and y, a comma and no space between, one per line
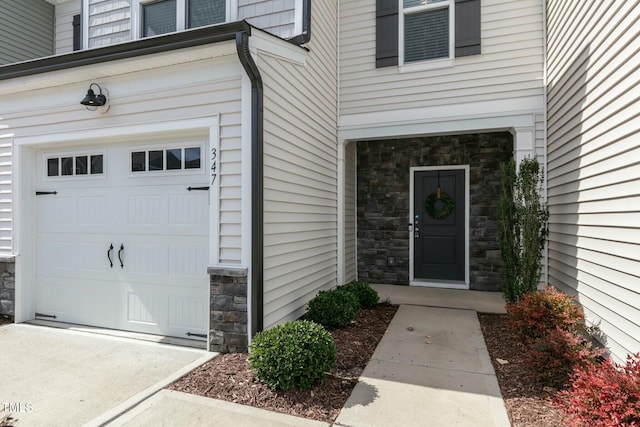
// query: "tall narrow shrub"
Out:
[523,228]
[509,233]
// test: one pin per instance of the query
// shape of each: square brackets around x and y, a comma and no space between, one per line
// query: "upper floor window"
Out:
[418,31]
[426,27]
[167,16]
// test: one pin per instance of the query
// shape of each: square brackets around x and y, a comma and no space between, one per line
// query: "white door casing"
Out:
[154,280]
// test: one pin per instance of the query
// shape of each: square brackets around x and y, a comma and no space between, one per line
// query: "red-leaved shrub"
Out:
[606,394]
[551,358]
[538,313]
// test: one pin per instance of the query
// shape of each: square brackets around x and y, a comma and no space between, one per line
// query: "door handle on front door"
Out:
[109,251]
[120,255]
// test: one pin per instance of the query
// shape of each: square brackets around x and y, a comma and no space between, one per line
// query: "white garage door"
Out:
[123,243]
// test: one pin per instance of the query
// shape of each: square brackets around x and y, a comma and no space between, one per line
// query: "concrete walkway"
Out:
[431,368]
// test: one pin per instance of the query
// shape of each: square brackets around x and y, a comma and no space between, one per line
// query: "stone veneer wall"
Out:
[228,326]
[383,180]
[7,286]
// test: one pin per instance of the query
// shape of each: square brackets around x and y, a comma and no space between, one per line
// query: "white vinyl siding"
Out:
[64,26]
[350,199]
[274,16]
[26,30]
[300,169]
[109,22]
[230,190]
[6,196]
[509,67]
[593,166]
[146,99]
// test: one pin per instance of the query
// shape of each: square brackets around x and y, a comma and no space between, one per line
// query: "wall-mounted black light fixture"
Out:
[93,100]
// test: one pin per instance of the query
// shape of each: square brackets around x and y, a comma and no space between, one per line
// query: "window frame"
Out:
[57,155]
[164,147]
[182,16]
[427,63]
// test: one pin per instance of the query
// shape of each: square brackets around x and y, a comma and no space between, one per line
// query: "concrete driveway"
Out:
[60,377]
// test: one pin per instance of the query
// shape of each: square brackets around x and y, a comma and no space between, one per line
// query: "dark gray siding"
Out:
[26,30]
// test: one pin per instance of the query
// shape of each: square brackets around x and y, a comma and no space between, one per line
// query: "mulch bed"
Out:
[4,319]
[528,402]
[228,376]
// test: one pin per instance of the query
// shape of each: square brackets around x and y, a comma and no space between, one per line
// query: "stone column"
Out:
[228,310]
[7,286]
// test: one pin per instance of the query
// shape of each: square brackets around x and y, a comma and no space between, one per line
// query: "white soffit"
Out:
[106,69]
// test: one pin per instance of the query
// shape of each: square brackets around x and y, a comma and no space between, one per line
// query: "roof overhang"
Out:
[164,43]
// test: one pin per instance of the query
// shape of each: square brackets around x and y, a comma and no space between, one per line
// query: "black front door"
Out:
[439,225]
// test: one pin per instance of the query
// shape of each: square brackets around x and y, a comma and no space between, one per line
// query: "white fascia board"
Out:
[277,47]
[442,127]
[221,53]
[439,120]
[200,125]
[57,2]
[447,112]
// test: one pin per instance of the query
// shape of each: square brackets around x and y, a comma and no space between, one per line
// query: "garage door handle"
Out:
[120,255]
[197,188]
[109,255]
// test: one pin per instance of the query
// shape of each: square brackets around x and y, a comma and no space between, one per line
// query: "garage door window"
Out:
[69,166]
[166,160]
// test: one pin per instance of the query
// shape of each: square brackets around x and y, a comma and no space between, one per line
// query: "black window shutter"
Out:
[77,33]
[467,27]
[386,33]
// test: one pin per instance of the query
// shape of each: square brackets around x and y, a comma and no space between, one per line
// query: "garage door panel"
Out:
[154,309]
[78,256]
[146,210]
[158,229]
[79,301]
[146,259]
[93,210]
[187,261]
[188,209]
[145,308]
[88,214]
[55,257]
[92,257]
[187,314]
[54,211]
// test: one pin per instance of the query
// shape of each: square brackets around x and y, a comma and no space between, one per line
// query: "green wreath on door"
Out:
[440,210]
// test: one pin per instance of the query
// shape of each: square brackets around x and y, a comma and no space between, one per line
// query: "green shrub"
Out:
[294,354]
[523,227]
[536,314]
[367,296]
[333,309]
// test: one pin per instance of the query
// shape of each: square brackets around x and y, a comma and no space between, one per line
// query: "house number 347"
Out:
[214,165]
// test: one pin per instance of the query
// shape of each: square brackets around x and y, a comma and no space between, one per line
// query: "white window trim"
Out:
[182,144]
[297,24]
[231,14]
[429,63]
[84,15]
[60,154]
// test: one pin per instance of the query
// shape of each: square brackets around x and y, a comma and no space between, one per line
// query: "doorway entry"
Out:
[439,238]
